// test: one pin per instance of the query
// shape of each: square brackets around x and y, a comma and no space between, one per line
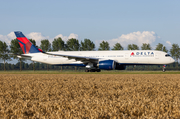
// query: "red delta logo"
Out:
[132,54]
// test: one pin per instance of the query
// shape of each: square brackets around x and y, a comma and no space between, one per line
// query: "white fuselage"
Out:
[134,57]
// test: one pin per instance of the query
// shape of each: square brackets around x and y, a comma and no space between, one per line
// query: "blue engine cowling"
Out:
[106,64]
[111,65]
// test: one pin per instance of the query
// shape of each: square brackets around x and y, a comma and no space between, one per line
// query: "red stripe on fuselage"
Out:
[40,50]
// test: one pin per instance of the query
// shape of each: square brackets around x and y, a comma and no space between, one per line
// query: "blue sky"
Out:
[130,21]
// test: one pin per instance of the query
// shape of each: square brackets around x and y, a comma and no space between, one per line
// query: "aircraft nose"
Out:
[172,60]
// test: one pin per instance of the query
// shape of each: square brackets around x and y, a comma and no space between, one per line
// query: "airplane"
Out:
[93,61]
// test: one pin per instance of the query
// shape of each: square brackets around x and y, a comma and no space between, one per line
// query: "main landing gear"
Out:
[92,70]
[164,68]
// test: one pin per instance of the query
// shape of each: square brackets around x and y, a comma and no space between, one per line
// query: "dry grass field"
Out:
[89,96]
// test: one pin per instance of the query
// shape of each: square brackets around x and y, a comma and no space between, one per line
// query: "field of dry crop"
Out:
[87,96]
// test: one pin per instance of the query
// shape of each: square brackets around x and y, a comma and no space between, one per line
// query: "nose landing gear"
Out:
[164,68]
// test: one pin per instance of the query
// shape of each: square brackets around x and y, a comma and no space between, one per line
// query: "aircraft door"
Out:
[157,55]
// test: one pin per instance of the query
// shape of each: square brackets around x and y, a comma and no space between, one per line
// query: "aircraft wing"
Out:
[77,58]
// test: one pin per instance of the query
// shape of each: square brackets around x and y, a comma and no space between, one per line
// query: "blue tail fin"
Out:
[26,45]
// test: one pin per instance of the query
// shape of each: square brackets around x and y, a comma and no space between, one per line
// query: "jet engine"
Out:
[111,65]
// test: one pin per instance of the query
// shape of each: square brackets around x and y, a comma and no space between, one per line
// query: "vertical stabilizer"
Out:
[25,44]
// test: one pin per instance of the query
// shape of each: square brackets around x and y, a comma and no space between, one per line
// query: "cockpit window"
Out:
[167,55]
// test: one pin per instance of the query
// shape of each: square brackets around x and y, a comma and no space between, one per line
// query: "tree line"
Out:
[74,45]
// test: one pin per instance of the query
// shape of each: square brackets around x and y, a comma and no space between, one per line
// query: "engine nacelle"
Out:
[106,64]
[111,65]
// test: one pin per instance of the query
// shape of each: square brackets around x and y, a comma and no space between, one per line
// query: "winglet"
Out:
[26,45]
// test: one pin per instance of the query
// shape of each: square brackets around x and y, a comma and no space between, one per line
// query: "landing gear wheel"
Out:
[164,69]
[98,70]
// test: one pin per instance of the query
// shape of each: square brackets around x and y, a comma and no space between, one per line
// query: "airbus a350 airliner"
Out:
[92,60]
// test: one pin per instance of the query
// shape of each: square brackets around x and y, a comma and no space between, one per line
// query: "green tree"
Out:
[118,46]
[104,45]
[87,45]
[58,44]
[45,45]
[133,47]
[72,45]
[146,46]
[161,47]
[16,49]
[4,52]
[175,52]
